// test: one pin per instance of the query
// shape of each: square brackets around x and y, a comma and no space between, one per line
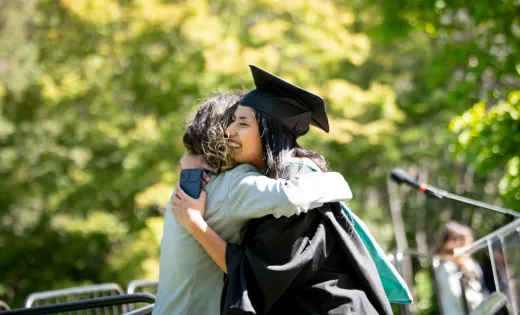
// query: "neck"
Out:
[260,167]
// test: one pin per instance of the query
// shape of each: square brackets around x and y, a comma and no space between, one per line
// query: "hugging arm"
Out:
[189,213]
[252,195]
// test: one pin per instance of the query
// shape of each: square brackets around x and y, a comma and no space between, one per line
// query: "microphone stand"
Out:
[445,194]
[399,176]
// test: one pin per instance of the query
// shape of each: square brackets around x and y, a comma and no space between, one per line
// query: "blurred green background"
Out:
[94,96]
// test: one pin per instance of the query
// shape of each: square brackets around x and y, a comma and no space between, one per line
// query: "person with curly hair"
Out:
[189,281]
[312,263]
[205,132]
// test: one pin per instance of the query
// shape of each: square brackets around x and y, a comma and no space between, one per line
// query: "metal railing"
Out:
[102,305]
[94,293]
[73,294]
[433,266]
[503,249]
[56,297]
[3,306]
[497,303]
[145,310]
[141,286]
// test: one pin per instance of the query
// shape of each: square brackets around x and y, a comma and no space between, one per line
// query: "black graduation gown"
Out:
[313,263]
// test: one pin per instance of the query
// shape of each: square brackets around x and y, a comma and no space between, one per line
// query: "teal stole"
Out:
[395,288]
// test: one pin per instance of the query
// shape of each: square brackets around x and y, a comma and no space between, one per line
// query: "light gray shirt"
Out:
[189,281]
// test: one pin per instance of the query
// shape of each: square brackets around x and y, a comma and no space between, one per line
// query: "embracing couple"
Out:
[267,234]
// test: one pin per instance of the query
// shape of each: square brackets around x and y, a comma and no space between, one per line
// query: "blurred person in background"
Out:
[189,280]
[454,235]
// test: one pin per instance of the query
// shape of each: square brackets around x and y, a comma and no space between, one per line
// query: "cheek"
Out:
[258,146]
[251,143]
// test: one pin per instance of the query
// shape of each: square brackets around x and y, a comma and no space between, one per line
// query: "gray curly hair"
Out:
[205,132]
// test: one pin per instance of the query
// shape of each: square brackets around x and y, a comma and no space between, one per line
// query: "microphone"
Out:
[399,176]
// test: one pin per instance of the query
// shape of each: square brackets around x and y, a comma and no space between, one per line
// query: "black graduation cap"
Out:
[293,106]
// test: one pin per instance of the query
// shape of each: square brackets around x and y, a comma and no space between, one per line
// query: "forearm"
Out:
[259,196]
[214,245]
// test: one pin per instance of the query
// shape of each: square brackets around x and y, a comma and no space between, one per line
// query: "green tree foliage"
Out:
[94,95]
[490,140]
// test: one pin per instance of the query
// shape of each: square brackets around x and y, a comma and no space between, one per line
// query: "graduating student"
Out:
[313,263]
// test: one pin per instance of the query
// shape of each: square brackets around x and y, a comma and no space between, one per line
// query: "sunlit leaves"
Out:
[157,194]
[93,102]
[136,254]
[371,113]
[6,127]
[95,11]
[97,222]
[490,140]
[165,15]
[265,31]
[18,56]
[224,58]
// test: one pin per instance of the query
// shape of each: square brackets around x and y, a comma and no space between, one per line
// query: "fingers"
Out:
[176,199]
[184,196]
[180,192]
[176,202]
[174,207]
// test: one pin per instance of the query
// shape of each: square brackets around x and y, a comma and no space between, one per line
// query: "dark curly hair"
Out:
[205,132]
